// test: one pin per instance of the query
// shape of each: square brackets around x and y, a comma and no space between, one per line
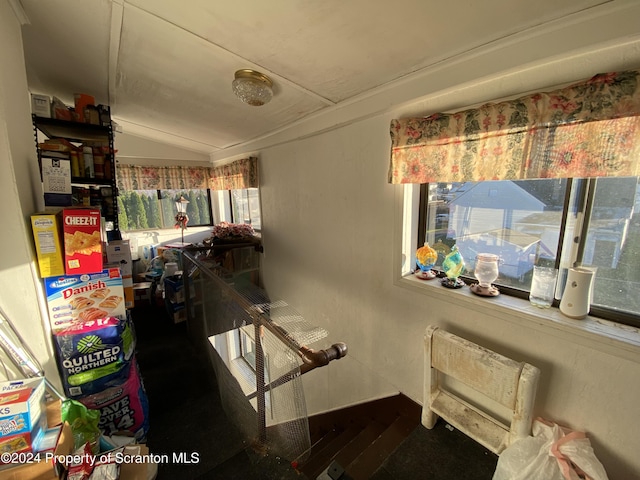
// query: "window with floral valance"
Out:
[588,129]
[137,177]
[236,175]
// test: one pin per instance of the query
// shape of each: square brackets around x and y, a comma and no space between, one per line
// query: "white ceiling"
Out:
[165,67]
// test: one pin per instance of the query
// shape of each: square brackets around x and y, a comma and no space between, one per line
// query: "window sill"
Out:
[609,337]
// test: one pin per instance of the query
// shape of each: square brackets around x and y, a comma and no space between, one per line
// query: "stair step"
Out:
[384,410]
[326,439]
[320,459]
[371,458]
[352,449]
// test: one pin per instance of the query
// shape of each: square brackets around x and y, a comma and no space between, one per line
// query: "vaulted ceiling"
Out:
[165,67]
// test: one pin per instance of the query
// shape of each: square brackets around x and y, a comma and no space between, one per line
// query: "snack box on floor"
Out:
[22,414]
[47,466]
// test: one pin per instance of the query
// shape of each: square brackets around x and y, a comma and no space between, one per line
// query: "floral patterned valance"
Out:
[136,177]
[589,129]
[236,175]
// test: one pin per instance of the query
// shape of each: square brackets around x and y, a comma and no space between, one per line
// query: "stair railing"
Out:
[199,267]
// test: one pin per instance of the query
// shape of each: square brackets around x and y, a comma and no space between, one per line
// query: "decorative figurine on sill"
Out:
[453,266]
[426,258]
[486,272]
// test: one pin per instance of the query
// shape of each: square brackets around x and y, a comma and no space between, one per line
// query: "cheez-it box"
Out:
[82,240]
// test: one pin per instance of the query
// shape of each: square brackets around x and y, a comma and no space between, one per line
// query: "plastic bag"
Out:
[83,423]
[552,453]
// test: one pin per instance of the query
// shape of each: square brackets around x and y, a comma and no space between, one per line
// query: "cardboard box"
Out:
[118,251]
[142,294]
[56,181]
[54,413]
[178,314]
[22,414]
[119,254]
[82,240]
[85,297]
[43,467]
[174,290]
[46,233]
[127,285]
[41,105]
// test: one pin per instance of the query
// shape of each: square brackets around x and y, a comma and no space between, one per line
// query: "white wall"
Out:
[328,217]
[329,225]
[21,196]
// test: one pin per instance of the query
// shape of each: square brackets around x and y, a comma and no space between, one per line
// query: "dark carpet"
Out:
[442,453]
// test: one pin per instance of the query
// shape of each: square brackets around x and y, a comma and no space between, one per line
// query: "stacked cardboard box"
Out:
[22,415]
[51,464]
[119,255]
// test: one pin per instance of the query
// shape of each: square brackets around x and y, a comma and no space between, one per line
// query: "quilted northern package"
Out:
[94,355]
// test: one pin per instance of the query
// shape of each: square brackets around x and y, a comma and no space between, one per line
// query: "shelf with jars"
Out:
[84,152]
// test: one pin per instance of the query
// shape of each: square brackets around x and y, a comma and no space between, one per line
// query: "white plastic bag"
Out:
[552,453]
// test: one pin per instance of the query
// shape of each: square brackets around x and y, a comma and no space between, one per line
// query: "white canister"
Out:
[170,268]
[576,299]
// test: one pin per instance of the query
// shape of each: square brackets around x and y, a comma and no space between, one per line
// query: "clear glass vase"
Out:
[486,270]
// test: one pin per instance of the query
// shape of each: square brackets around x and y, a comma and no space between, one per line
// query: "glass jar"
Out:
[486,270]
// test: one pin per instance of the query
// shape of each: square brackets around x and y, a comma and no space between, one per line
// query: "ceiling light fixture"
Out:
[252,87]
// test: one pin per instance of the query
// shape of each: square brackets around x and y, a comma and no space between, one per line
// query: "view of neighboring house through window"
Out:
[551,222]
[149,209]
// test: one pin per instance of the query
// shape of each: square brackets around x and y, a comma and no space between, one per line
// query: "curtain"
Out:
[589,129]
[135,177]
[236,175]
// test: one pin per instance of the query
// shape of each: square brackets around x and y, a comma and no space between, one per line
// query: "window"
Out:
[245,350]
[145,209]
[553,222]
[247,347]
[236,349]
[245,206]
[238,206]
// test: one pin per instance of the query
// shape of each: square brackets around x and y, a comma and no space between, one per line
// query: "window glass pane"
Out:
[247,348]
[518,220]
[197,208]
[141,209]
[612,243]
[245,206]
[138,210]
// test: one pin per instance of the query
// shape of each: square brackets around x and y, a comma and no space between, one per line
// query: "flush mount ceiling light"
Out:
[253,88]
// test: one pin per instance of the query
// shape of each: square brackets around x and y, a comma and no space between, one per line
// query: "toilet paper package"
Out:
[94,355]
[124,408]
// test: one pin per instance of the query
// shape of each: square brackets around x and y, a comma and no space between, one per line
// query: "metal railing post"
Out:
[260,385]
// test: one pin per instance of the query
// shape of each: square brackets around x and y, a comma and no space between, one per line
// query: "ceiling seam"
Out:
[271,74]
[117,16]
[123,123]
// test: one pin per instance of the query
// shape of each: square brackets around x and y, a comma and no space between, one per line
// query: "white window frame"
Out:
[227,345]
[592,332]
[222,209]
